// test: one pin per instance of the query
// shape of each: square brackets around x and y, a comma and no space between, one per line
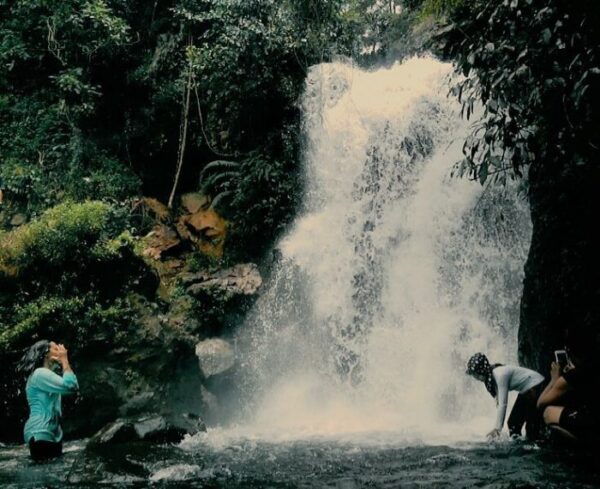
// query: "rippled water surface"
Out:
[307,463]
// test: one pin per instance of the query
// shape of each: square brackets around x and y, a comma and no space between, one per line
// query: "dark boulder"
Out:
[152,369]
[225,295]
[119,431]
[153,428]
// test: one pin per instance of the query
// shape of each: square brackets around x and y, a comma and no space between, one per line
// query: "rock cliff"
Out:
[561,288]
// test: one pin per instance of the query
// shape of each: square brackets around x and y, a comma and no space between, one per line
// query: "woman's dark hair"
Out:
[33,358]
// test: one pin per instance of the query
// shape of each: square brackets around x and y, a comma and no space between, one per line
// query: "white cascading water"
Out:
[394,274]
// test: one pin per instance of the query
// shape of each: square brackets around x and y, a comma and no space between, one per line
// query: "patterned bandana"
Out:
[479,366]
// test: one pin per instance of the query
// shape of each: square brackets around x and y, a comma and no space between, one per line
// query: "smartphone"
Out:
[561,358]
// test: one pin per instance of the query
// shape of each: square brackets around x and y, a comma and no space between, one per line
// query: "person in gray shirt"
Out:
[499,380]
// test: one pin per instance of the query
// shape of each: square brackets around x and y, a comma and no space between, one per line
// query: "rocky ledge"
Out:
[243,279]
[154,428]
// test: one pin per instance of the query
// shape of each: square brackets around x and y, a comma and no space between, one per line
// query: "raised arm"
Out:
[555,390]
[45,379]
[48,381]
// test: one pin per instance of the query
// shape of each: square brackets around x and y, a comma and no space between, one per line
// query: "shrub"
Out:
[64,275]
[76,321]
[258,194]
[265,200]
[44,161]
[69,233]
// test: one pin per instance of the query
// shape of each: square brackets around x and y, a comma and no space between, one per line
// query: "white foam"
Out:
[178,472]
[391,278]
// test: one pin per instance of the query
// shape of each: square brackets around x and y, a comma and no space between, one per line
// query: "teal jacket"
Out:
[44,389]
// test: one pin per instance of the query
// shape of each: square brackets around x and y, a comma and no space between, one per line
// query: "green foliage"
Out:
[49,51]
[65,274]
[43,160]
[533,64]
[265,193]
[95,88]
[220,179]
[438,7]
[198,262]
[257,194]
[371,26]
[95,91]
[249,61]
[67,233]
[76,321]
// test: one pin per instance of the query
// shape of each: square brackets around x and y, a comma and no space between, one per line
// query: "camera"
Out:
[561,358]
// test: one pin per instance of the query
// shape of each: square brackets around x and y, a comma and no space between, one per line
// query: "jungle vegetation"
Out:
[108,100]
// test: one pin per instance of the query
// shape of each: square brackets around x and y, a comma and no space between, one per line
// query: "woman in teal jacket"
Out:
[44,390]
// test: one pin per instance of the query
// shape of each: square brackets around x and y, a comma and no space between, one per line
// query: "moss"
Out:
[77,321]
[439,8]
[64,275]
[69,232]
[199,261]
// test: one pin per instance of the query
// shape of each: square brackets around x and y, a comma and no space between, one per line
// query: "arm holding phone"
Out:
[558,386]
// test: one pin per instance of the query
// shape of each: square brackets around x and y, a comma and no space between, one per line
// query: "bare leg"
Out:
[552,418]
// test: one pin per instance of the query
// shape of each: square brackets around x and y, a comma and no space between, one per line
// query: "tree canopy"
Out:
[107,99]
[535,66]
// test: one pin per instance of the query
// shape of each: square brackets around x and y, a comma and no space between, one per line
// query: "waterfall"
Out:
[392,276]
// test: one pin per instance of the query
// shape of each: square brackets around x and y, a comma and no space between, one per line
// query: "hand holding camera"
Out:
[561,364]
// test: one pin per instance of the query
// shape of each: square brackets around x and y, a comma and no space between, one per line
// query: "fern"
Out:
[220,178]
[219,197]
[219,166]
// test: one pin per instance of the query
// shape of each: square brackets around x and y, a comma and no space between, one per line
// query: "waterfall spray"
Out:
[392,276]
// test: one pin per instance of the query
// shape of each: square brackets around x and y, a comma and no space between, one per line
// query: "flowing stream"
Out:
[351,364]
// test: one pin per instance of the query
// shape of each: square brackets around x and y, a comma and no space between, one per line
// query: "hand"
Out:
[59,354]
[492,435]
[568,366]
[555,371]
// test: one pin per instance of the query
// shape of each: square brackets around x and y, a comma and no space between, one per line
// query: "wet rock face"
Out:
[157,362]
[243,279]
[215,356]
[201,225]
[152,368]
[226,296]
[195,225]
[162,241]
[162,365]
[561,291]
[120,431]
[154,428]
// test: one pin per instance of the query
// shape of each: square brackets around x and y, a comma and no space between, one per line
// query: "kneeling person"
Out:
[570,400]
[499,380]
